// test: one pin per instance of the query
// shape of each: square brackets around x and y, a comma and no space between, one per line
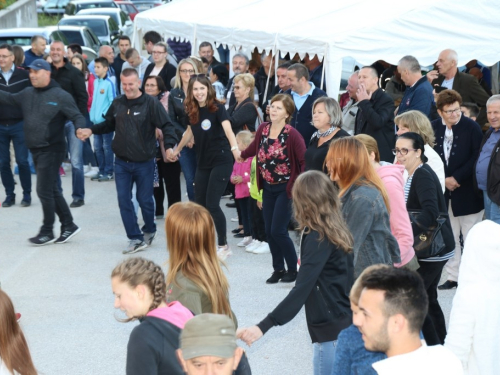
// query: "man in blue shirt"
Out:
[37,50]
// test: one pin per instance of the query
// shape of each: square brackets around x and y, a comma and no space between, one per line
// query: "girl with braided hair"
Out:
[139,288]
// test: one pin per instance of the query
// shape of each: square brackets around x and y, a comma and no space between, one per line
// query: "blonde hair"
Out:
[370,144]
[417,122]
[248,81]
[358,286]
[178,82]
[191,245]
[317,207]
[245,136]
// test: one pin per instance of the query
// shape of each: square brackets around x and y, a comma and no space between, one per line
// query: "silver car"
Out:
[122,19]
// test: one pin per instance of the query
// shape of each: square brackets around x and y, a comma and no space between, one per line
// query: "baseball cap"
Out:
[208,334]
[40,64]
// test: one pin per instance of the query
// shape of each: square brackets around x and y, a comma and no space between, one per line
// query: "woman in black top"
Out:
[327,119]
[326,271]
[243,113]
[178,116]
[215,141]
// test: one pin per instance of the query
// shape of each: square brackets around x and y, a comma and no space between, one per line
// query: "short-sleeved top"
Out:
[273,156]
[212,146]
[315,156]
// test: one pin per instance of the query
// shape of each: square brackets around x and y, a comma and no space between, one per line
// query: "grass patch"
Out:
[46,20]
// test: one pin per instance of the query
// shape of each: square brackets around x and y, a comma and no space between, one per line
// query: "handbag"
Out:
[429,242]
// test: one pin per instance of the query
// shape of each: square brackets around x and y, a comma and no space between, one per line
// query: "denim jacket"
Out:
[364,211]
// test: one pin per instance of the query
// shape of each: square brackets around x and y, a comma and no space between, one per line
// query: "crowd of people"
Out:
[385,192]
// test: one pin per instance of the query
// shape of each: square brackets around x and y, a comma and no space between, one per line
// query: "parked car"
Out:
[124,22]
[39,5]
[143,5]
[81,35]
[74,6]
[104,27]
[55,7]
[22,36]
[128,7]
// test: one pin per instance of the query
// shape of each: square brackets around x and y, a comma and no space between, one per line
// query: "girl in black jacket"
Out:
[326,272]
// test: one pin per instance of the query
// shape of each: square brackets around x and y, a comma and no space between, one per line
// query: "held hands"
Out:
[362,94]
[237,156]
[249,335]
[83,134]
[172,155]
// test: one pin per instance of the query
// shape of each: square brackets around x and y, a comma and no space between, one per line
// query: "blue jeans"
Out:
[323,356]
[277,212]
[75,148]
[126,174]
[15,134]
[491,209]
[104,153]
[188,166]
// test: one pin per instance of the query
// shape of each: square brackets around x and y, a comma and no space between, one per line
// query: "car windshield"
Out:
[74,37]
[96,5]
[114,15]
[97,26]
[18,40]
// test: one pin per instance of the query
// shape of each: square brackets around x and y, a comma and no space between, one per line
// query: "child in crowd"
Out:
[140,291]
[470,110]
[219,77]
[241,180]
[104,94]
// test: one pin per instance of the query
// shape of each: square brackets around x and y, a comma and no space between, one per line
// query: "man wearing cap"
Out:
[208,346]
[46,107]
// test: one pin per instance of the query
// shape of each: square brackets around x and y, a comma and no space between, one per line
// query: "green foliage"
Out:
[5,3]
[46,20]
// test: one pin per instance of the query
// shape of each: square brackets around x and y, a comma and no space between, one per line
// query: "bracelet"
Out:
[234,148]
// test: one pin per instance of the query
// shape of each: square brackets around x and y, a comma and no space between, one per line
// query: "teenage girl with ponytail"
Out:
[139,288]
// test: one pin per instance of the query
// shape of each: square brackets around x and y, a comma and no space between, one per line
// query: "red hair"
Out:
[191,104]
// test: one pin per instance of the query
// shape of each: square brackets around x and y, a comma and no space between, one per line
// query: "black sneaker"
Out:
[275,277]
[447,285]
[231,205]
[67,234]
[9,201]
[290,277]
[26,202]
[77,203]
[42,239]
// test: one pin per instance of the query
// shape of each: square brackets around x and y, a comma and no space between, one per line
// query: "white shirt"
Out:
[426,360]
[448,83]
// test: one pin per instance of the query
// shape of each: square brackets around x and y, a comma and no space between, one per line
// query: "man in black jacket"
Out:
[375,115]
[13,80]
[160,67]
[72,81]
[134,118]
[46,108]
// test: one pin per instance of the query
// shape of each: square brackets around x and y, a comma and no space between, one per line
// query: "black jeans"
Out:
[209,185]
[258,227]
[431,274]
[170,180]
[47,170]
[245,216]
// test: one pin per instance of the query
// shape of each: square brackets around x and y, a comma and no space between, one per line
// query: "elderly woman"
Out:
[177,113]
[169,174]
[327,119]
[458,139]
[423,193]
[417,122]
[243,113]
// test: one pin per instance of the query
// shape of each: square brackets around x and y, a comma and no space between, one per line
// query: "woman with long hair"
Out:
[177,112]
[140,291]
[215,141]
[326,271]
[365,204]
[15,357]
[195,277]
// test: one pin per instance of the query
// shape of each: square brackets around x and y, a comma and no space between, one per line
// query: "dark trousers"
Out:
[209,187]
[245,214]
[258,226]
[170,181]
[277,213]
[15,134]
[47,170]
[431,274]
[126,174]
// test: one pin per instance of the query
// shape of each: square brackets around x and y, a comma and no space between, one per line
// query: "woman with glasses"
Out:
[177,113]
[458,139]
[243,114]
[160,67]
[216,150]
[423,193]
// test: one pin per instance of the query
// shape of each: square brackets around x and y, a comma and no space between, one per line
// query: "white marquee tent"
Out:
[365,30]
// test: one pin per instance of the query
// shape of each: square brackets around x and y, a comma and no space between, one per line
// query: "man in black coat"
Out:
[375,115]
[160,67]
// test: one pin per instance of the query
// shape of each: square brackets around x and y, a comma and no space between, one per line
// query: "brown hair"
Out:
[14,351]
[287,103]
[317,207]
[140,271]
[18,55]
[348,159]
[447,97]
[85,69]
[192,251]
[191,104]
[417,122]
[358,286]
[370,144]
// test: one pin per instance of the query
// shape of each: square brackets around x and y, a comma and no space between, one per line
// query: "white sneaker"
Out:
[252,246]
[245,241]
[262,249]
[223,252]
[86,169]
[94,171]
[234,219]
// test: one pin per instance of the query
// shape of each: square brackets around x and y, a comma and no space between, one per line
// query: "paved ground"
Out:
[64,292]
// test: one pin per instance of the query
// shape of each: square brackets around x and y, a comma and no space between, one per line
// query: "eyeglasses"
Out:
[402,151]
[190,71]
[158,52]
[237,87]
[451,111]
